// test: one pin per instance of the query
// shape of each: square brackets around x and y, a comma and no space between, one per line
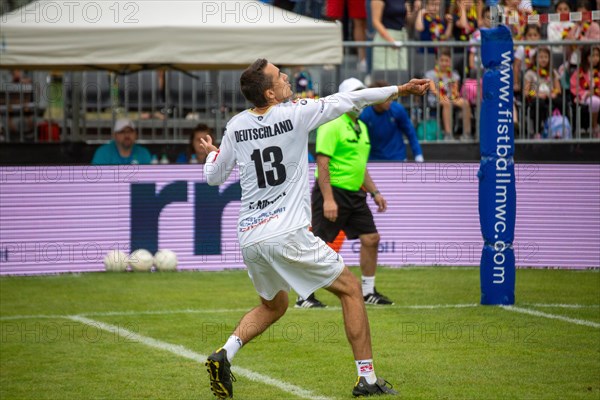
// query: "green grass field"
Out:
[134,336]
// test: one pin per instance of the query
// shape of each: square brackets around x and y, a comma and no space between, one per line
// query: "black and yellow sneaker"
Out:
[377,299]
[219,373]
[379,388]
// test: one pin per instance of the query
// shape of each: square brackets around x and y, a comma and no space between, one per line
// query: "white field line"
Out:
[561,305]
[200,358]
[38,316]
[219,311]
[244,310]
[552,316]
[335,308]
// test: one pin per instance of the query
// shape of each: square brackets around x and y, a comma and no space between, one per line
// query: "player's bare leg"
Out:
[255,322]
[356,323]
[347,288]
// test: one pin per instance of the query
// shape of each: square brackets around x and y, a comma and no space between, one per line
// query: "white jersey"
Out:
[271,150]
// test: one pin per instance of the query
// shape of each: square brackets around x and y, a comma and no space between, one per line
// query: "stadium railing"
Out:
[167,104]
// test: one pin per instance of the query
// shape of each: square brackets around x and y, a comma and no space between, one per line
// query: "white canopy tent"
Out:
[126,36]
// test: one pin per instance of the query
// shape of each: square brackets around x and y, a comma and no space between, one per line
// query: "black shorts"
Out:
[354,215]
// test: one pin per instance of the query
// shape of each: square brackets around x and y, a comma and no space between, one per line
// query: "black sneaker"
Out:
[363,389]
[220,375]
[377,298]
[310,302]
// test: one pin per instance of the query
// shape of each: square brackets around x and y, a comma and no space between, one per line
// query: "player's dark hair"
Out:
[254,82]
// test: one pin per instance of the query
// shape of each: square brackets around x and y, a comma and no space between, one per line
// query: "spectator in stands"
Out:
[515,16]
[542,90]
[196,153]
[338,199]
[357,12]
[541,6]
[430,25]
[525,55]
[465,19]
[122,149]
[309,8]
[559,30]
[474,62]
[585,85]
[471,86]
[303,83]
[388,123]
[287,5]
[20,76]
[464,24]
[582,31]
[391,19]
[19,96]
[445,84]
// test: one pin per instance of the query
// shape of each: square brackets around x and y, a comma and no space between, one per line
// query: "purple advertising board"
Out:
[65,219]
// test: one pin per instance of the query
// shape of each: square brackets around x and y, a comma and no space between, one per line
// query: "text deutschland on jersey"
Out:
[264,132]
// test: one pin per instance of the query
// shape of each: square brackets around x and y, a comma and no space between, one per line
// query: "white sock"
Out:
[365,368]
[368,284]
[232,346]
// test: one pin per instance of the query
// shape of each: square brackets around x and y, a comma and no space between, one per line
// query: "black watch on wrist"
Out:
[375,193]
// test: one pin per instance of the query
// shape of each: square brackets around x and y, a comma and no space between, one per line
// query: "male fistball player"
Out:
[270,145]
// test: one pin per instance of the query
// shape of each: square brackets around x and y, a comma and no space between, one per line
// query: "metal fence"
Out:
[166,105]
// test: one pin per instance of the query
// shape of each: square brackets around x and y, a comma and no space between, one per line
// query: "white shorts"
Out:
[297,259]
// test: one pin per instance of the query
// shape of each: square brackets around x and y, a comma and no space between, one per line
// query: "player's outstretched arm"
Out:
[314,114]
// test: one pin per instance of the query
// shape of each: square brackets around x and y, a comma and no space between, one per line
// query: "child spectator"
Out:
[431,26]
[445,89]
[515,17]
[464,24]
[464,14]
[559,30]
[303,83]
[195,153]
[525,55]
[542,87]
[474,62]
[582,31]
[585,85]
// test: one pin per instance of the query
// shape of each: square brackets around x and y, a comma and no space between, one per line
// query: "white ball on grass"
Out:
[115,260]
[165,260]
[141,260]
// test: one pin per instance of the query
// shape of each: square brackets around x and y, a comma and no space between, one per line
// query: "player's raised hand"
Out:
[415,86]
[208,144]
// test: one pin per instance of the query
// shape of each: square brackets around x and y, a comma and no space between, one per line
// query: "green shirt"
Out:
[348,150]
